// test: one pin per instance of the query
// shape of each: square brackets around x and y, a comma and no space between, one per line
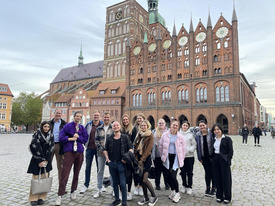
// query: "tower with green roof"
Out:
[154,16]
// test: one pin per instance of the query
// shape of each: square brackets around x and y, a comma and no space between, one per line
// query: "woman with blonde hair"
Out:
[140,117]
[127,128]
[143,148]
[158,132]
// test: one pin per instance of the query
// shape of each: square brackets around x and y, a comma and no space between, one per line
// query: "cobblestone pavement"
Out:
[253,173]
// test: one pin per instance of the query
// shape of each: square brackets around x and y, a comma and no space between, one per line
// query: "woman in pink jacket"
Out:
[172,152]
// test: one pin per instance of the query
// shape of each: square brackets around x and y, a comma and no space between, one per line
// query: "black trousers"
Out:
[208,169]
[245,139]
[171,175]
[187,172]
[222,173]
[257,139]
[158,170]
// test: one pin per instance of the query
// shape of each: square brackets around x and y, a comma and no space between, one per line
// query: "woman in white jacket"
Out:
[187,169]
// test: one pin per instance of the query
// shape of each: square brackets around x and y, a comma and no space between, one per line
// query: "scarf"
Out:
[140,141]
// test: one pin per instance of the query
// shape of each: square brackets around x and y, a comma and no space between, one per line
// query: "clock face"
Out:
[141,18]
[201,37]
[136,50]
[119,15]
[222,32]
[183,40]
[152,47]
[166,44]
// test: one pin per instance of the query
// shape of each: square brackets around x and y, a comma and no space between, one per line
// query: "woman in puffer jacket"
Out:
[187,169]
[172,152]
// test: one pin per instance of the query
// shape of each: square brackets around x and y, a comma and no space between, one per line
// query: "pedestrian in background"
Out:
[172,151]
[137,181]
[158,132]
[57,124]
[245,132]
[73,136]
[41,147]
[143,148]
[223,153]
[257,133]
[116,145]
[91,152]
[187,169]
[205,149]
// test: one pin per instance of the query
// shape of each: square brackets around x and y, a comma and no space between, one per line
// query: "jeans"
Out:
[90,154]
[100,171]
[245,138]
[117,171]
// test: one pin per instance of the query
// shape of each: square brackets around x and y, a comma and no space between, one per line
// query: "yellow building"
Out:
[5,107]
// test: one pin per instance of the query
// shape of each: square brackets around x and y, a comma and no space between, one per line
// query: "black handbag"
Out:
[152,173]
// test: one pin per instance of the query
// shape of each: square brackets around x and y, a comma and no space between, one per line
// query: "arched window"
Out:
[134,100]
[149,98]
[215,58]
[140,100]
[123,68]
[225,44]
[222,94]
[163,97]
[226,93]
[137,100]
[179,96]
[218,45]
[186,96]
[217,94]
[205,94]
[198,95]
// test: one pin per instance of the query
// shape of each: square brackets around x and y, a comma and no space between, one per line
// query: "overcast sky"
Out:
[38,38]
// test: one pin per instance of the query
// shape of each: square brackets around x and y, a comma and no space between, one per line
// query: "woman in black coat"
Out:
[223,153]
[41,147]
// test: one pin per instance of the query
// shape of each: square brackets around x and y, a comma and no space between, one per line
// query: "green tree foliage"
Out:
[27,110]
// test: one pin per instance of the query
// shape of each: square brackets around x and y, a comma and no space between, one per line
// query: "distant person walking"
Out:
[73,136]
[41,147]
[257,133]
[57,124]
[223,153]
[245,132]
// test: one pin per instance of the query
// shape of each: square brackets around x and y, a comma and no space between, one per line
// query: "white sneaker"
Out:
[58,201]
[177,197]
[136,191]
[189,191]
[73,195]
[171,196]
[98,194]
[83,190]
[129,196]
[140,191]
[183,189]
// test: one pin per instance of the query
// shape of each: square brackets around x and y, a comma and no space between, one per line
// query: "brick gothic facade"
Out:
[189,75]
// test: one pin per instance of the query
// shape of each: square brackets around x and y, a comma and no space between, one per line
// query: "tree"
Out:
[27,110]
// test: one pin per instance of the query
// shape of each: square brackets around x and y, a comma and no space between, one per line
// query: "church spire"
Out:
[234,16]
[80,58]
[209,22]
[174,29]
[191,29]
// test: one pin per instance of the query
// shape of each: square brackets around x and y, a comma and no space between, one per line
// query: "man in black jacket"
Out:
[257,132]
[245,132]
[56,125]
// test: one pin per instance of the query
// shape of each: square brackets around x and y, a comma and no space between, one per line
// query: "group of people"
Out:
[130,151]
[256,132]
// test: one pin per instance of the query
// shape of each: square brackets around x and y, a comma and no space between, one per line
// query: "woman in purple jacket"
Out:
[73,136]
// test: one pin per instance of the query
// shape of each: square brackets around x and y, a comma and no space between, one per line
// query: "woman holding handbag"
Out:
[41,147]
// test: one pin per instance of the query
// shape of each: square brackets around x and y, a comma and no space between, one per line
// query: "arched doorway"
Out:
[134,120]
[152,122]
[167,120]
[201,117]
[222,119]
[182,118]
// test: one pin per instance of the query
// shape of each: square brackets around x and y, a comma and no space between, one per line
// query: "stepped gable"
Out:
[85,71]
